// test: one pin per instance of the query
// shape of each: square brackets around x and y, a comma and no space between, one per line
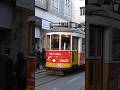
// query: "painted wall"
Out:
[76,4]
[5,15]
[46,15]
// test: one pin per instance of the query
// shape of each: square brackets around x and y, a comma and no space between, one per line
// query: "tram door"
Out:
[94,58]
[75,50]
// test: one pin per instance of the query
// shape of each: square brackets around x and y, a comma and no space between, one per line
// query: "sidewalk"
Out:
[41,69]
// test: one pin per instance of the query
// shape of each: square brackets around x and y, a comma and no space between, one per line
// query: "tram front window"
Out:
[55,42]
[65,42]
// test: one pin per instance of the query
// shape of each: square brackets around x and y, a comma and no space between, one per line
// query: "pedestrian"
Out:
[6,70]
[43,56]
[20,69]
[38,57]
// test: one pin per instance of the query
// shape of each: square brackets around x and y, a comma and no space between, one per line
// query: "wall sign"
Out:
[45,24]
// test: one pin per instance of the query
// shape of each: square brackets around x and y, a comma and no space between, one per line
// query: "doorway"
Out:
[94,60]
[5,39]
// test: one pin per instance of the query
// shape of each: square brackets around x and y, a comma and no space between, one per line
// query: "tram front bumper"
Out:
[58,65]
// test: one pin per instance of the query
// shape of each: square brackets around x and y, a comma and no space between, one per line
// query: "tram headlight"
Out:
[54,60]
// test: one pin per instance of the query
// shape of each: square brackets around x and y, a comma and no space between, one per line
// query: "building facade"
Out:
[102,44]
[78,11]
[50,11]
[15,26]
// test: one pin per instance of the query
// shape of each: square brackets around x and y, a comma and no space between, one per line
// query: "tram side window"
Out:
[55,42]
[65,42]
[48,41]
[75,43]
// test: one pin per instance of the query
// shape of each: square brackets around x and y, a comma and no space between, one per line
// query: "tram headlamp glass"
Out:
[54,60]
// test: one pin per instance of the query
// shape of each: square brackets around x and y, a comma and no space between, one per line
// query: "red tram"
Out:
[65,48]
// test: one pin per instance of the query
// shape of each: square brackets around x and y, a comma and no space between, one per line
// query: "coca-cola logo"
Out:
[54,54]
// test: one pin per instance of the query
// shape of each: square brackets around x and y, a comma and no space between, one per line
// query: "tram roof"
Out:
[65,29]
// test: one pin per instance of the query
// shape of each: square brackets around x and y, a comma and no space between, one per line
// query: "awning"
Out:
[37,20]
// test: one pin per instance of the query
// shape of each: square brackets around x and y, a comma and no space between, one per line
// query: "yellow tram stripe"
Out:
[58,65]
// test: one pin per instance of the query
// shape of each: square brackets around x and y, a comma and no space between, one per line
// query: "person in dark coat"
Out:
[20,69]
[6,71]
[43,56]
[38,57]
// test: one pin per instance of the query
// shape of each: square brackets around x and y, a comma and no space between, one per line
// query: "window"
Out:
[116,45]
[116,7]
[82,11]
[67,7]
[48,41]
[65,42]
[41,3]
[95,41]
[55,42]
[55,4]
[75,43]
[108,1]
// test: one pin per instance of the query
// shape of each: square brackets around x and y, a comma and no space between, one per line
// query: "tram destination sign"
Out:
[65,24]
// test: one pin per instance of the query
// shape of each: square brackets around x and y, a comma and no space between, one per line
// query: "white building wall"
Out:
[76,4]
[37,32]
[46,15]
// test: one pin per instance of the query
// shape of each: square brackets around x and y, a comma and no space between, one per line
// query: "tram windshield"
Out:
[54,42]
[65,42]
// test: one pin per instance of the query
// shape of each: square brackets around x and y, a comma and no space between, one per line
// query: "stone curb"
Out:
[40,71]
